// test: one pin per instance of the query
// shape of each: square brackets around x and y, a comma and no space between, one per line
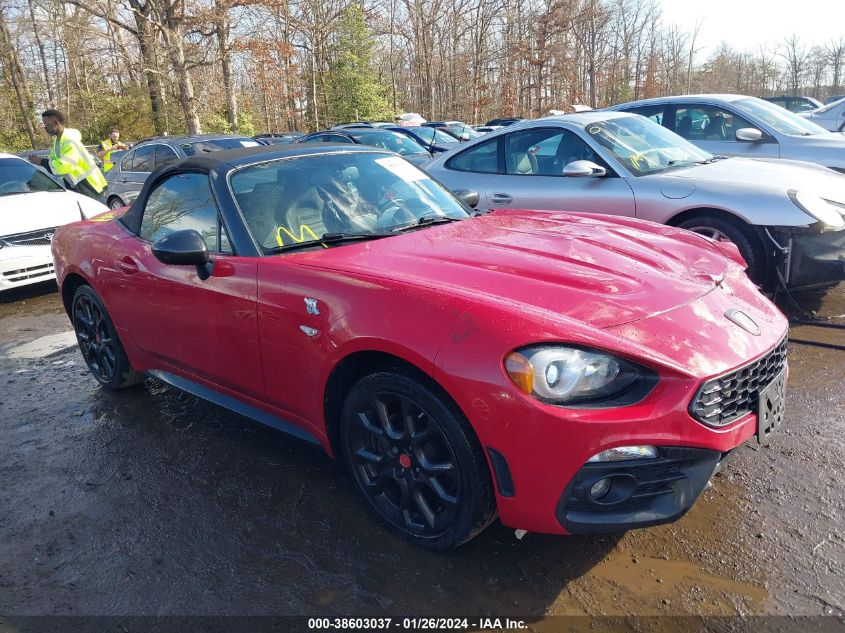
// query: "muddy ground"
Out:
[151,502]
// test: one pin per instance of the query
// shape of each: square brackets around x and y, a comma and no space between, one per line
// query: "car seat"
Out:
[685,127]
[716,129]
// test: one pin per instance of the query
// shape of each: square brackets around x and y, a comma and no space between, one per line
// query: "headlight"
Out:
[818,208]
[570,376]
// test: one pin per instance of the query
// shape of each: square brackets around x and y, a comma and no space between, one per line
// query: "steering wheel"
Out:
[643,157]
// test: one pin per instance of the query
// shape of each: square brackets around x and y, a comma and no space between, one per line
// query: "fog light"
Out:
[600,488]
[622,453]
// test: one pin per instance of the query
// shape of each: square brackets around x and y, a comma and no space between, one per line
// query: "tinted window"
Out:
[126,162]
[143,159]
[164,155]
[441,138]
[482,158]
[180,202]
[20,176]
[544,152]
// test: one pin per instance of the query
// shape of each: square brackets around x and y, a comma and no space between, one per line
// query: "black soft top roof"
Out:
[222,161]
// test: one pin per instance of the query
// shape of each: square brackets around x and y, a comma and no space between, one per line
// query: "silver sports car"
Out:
[737,125]
[787,218]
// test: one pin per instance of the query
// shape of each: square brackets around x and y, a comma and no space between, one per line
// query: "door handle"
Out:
[123,180]
[501,198]
[127,265]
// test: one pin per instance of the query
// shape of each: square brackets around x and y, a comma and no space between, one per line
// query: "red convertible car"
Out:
[568,373]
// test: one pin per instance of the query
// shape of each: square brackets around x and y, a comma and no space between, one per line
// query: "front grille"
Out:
[41,237]
[724,399]
[33,272]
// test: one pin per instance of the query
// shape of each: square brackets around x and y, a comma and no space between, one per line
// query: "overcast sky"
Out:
[745,24]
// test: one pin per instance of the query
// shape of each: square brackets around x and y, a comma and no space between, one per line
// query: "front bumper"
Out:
[642,492]
[817,259]
[23,265]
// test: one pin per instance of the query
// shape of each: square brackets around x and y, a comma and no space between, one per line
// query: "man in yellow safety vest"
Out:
[111,144]
[69,158]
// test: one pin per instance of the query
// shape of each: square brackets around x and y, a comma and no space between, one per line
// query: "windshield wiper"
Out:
[329,238]
[428,220]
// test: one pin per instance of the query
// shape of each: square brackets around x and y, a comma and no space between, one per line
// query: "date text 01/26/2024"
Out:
[415,624]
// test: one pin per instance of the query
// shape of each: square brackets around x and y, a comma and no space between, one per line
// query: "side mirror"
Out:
[467,196]
[184,248]
[749,134]
[463,137]
[584,169]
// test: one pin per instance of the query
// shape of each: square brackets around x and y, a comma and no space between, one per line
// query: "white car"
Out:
[32,205]
[830,117]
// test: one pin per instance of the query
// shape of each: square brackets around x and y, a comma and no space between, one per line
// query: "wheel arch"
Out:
[70,284]
[359,364]
[724,214]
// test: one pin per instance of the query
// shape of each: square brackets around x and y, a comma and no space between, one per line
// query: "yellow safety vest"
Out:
[70,159]
[107,164]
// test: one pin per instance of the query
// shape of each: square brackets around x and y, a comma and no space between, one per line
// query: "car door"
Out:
[533,179]
[199,328]
[713,129]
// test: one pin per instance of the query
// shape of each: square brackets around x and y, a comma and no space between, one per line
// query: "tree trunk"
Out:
[226,63]
[43,56]
[22,92]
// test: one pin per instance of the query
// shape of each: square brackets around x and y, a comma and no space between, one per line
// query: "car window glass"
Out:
[426,133]
[783,121]
[441,137]
[288,202]
[544,151]
[20,176]
[164,155]
[643,146]
[708,123]
[143,160]
[655,113]
[180,202]
[126,161]
[482,158]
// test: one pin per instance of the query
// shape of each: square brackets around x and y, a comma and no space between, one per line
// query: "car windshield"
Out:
[441,138]
[464,131]
[828,107]
[394,141]
[780,119]
[317,199]
[645,147]
[213,145]
[20,176]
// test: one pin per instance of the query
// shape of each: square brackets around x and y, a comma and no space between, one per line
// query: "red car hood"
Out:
[600,270]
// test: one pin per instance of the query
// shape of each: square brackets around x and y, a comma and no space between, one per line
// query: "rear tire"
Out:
[741,235]
[416,461]
[99,343]
[115,203]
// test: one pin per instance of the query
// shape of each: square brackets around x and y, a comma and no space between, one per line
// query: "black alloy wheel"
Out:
[416,461]
[98,341]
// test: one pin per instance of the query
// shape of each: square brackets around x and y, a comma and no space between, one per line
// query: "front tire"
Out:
[741,235]
[416,460]
[115,203]
[99,343]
